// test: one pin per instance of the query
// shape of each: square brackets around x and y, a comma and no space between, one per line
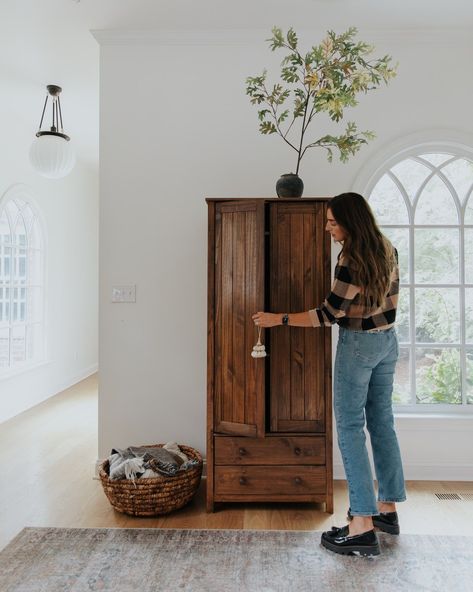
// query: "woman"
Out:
[363,303]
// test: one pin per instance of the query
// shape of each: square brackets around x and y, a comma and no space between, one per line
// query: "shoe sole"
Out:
[389,529]
[363,551]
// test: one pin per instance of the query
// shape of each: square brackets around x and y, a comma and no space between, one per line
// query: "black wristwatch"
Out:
[285,319]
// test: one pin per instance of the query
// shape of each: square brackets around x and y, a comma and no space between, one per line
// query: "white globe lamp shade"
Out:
[52,156]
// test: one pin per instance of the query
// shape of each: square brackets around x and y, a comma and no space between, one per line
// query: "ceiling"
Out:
[205,14]
[49,41]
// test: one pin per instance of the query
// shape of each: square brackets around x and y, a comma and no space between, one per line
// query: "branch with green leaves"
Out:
[327,79]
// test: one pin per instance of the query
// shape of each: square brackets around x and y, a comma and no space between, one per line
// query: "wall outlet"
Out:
[124,294]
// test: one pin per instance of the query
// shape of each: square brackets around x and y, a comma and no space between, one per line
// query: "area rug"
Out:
[172,560]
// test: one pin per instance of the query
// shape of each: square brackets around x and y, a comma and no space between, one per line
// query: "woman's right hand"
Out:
[267,319]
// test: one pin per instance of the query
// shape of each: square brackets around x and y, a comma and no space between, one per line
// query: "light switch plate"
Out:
[124,294]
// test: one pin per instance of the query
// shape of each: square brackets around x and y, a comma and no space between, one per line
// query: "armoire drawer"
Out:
[269,480]
[270,451]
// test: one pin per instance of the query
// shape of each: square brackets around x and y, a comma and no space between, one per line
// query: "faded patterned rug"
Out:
[171,560]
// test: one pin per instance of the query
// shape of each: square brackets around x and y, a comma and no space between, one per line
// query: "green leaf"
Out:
[292,38]
[289,74]
[267,127]
[283,116]
[277,40]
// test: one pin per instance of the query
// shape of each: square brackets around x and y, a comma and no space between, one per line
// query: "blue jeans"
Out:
[363,386]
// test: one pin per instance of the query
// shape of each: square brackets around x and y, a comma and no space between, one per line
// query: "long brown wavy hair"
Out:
[368,253]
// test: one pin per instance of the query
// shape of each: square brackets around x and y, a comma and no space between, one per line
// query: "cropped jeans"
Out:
[363,386]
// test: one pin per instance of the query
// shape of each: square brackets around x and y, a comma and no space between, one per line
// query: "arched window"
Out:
[424,203]
[21,281]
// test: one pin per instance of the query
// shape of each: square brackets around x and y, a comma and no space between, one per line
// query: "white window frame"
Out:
[434,141]
[25,193]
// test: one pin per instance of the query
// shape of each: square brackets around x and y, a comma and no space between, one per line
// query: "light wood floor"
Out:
[47,459]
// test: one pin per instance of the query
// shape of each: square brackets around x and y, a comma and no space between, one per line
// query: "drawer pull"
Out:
[242,451]
[297,480]
[297,451]
[242,480]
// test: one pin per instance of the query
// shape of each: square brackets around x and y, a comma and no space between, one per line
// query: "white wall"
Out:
[69,208]
[176,127]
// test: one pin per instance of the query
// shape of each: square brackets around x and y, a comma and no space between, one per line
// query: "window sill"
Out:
[13,372]
[467,415]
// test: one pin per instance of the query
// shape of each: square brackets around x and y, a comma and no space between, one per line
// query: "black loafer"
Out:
[386,521]
[340,541]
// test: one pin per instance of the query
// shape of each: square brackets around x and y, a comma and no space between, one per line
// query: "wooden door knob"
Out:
[242,480]
[297,451]
[298,480]
[242,451]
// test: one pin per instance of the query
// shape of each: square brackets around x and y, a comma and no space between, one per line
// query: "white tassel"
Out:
[258,349]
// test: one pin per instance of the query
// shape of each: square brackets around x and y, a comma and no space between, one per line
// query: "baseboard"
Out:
[425,472]
[52,391]
[82,375]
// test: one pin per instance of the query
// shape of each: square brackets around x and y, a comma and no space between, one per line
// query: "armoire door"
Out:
[239,293]
[299,262]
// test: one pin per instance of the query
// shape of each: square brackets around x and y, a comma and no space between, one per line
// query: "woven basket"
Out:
[156,495]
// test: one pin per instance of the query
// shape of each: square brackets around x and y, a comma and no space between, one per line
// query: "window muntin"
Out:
[424,204]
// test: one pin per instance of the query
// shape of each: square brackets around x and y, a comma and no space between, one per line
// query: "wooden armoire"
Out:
[269,419]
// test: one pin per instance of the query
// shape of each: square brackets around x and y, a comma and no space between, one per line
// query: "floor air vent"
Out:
[467,496]
[448,496]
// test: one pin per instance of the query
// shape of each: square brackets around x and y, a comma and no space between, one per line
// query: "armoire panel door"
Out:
[297,283]
[239,293]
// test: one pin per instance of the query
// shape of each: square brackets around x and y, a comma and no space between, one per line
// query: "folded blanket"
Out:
[135,461]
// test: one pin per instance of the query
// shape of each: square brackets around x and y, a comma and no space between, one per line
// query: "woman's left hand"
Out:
[266,319]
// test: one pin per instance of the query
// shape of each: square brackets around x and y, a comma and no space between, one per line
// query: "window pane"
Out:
[469,377]
[437,315]
[402,385]
[5,233]
[12,209]
[436,255]
[18,344]
[438,377]
[469,210]
[5,292]
[436,159]
[460,175]
[400,239]
[387,202]
[4,347]
[19,233]
[28,217]
[5,263]
[469,255]
[469,315]
[411,174]
[402,316]
[436,204]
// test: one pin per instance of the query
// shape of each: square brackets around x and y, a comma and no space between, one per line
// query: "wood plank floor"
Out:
[47,459]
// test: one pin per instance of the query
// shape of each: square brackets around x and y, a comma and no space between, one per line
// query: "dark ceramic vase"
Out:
[289,185]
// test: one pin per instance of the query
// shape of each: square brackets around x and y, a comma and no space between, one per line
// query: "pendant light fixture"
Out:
[51,153]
